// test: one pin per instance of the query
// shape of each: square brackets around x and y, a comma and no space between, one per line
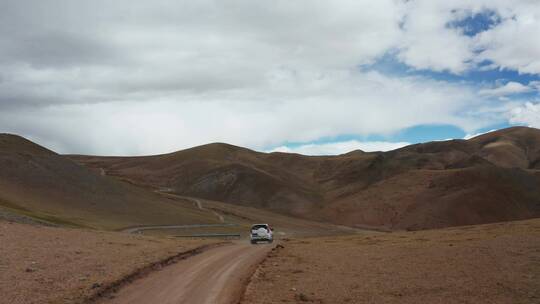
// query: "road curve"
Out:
[216,276]
[138,229]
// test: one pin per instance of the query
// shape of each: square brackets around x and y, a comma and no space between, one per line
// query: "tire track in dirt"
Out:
[215,276]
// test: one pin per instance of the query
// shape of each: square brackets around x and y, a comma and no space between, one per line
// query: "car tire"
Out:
[253,242]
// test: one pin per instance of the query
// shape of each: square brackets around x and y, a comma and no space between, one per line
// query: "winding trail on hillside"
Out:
[198,203]
[216,276]
[219,216]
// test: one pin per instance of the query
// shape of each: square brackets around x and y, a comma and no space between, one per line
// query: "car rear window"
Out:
[255,227]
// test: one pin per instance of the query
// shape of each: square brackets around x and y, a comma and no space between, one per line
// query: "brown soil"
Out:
[490,178]
[57,265]
[495,263]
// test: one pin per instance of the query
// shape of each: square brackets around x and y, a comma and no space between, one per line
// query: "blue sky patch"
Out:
[476,23]
[413,135]
[390,65]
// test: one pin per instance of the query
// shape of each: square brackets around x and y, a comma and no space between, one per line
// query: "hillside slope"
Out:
[489,178]
[39,183]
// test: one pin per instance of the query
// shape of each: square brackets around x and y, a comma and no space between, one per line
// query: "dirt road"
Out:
[217,276]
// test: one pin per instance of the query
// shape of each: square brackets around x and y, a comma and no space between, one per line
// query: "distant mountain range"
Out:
[490,178]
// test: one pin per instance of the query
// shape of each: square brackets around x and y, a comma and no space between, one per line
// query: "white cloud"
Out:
[513,44]
[358,103]
[336,148]
[428,43]
[509,88]
[528,114]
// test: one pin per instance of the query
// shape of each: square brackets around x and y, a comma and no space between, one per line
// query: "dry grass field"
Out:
[61,265]
[494,263]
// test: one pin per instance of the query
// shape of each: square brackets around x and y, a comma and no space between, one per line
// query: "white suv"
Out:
[261,232]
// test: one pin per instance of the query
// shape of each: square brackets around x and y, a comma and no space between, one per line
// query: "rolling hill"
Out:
[41,184]
[490,178]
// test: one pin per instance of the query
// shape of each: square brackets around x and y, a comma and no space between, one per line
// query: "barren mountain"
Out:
[489,178]
[41,184]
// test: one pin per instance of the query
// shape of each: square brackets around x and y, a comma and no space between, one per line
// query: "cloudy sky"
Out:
[315,77]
